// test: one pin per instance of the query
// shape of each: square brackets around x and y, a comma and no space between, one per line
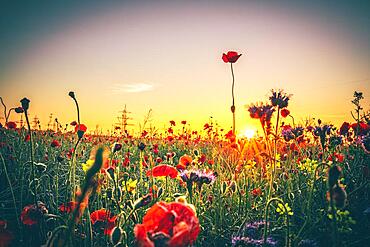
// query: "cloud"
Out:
[132,88]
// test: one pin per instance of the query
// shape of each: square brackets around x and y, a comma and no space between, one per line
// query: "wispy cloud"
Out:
[132,88]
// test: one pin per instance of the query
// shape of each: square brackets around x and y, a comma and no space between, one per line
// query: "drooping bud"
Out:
[141,146]
[116,147]
[72,95]
[142,201]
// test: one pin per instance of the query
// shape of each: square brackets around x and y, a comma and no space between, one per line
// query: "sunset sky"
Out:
[166,56]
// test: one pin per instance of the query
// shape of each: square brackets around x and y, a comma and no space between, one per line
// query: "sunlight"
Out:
[249,133]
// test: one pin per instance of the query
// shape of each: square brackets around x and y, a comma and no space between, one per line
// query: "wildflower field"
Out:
[297,184]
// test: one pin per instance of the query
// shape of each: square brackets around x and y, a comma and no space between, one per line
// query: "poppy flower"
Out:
[80,127]
[55,144]
[11,125]
[344,128]
[285,112]
[73,123]
[5,236]
[361,128]
[168,224]
[69,207]
[256,192]
[183,122]
[230,136]
[32,214]
[173,123]
[230,57]
[163,170]
[27,138]
[102,219]
[184,161]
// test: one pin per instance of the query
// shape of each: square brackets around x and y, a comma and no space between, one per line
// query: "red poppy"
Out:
[31,214]
[170,224]
[256,192]
[163,170]
[80,127]
[103,216]
[69,207]
[344,128]
[173,123]
[183,122]
[5,236]
[285,112]
[11,125]
[184,161]
[55,144]
[362,128]
[230,136]
[27,138]
[73,123]
[231,57]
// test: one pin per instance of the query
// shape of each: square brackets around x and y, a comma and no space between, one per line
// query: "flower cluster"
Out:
[263,112]
[250,235]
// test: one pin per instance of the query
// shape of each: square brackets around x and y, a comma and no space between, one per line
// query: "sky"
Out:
[166,56]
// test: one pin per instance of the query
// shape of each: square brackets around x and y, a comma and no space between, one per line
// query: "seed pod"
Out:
[25,103]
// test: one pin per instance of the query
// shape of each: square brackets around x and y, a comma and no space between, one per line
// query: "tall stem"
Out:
[2,102]
[287,242]
[233,97]
[275,152]
[78,113]
[33,175]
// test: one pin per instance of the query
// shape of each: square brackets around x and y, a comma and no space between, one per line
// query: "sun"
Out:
[249,133]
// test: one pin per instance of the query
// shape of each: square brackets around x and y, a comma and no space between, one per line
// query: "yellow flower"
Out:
[86,166]
[281,209]
[130,186]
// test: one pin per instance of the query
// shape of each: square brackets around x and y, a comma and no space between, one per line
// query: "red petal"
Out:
[163,170]
[225,58]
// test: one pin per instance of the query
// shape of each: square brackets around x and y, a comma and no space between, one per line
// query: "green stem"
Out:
[233,97]
[11,191]
[33,175]
[287,242]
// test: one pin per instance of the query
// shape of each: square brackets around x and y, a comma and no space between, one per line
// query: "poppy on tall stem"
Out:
[231,57]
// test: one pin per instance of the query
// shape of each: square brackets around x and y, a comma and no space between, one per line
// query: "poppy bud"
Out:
[141,146]
[126,176]
[72,95]
[19,110]
[25,103]
[159,192]
[143,201]
[334,174]
[110,171]
[232,108]
[117,146]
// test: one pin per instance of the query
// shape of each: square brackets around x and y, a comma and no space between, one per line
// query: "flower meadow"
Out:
[297,184]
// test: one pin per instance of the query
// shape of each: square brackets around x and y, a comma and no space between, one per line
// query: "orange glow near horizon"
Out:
[167,57]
